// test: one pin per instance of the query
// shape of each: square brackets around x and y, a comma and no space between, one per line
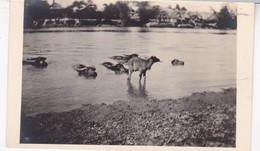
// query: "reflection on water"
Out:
[209,56]
[134,92]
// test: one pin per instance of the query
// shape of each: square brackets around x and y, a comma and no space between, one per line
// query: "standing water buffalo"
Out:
[141,65]
[38,62]
[87,72]
[177,62]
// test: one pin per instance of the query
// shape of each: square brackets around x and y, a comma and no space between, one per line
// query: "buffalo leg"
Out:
[141,74]
[144,74]
[129,74]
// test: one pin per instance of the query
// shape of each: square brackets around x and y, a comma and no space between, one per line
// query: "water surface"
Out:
[209,56]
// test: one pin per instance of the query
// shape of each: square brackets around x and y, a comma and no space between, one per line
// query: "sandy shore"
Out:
[202,119]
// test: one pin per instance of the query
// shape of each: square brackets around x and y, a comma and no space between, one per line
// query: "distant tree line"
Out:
[226,19]
[126,13]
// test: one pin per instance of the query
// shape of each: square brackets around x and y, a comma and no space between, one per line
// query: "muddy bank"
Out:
[202,119]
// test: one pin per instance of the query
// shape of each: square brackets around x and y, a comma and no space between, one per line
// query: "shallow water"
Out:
[209,56]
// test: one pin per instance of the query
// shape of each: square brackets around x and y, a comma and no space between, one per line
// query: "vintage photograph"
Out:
[140,73]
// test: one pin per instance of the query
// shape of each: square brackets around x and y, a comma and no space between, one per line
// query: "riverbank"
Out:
[202,119]
[128,29]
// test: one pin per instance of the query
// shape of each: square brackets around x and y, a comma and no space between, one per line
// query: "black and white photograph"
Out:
[129,73]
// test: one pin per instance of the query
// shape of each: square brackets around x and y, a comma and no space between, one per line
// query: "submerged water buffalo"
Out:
[176,62]
[118,68]
[87,72]
[124,58]
[38,62]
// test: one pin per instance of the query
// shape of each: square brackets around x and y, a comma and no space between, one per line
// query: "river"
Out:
[209,56]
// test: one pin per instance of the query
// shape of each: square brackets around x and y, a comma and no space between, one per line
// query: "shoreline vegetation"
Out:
[41,14]
[201,119]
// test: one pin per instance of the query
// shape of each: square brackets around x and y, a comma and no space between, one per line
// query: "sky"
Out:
[191,6]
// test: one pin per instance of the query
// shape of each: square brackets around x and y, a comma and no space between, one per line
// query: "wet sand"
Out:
[202,119]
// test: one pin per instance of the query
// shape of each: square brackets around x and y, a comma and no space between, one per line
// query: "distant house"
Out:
[57,11]
[135,16]
[169,15]
[166,18]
